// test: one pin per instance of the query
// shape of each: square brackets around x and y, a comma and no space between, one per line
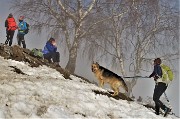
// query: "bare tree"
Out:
[62,17]
[145,31]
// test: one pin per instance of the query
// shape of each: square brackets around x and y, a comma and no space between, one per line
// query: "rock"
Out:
[20,54]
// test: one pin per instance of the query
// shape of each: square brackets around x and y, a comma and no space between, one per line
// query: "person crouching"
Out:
[50,52]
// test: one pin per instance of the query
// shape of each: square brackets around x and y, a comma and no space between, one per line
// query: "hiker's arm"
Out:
[6,23]
[55,49]
[51,48]
[54,46]
[152,75]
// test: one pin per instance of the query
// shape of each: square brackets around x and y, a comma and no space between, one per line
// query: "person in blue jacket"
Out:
[50,52]
[22,26]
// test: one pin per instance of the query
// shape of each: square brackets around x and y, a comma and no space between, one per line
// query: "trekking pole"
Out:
[166,97]
[169,103]
[136,77]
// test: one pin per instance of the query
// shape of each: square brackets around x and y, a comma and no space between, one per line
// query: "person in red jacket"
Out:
[11,26]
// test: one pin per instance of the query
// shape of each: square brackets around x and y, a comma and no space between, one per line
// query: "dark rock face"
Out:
[20,54]
[109,94]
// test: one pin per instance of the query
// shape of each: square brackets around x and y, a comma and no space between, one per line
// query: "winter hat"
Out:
[10,15]
[51,39]
[157,61]
[21,18]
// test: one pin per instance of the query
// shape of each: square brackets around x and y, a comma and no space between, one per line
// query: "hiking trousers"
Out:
[9,36]
[20,39]
[52,55]
[158,91]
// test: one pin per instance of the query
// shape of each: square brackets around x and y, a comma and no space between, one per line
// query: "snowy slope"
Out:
[44,93]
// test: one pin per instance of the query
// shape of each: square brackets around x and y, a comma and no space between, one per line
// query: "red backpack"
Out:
[11,24]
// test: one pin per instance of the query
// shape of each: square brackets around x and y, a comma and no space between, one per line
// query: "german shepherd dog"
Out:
[106,76]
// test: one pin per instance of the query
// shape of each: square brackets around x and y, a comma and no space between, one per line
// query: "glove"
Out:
[156,77]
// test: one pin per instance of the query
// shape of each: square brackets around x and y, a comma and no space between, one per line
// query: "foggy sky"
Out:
[143,88]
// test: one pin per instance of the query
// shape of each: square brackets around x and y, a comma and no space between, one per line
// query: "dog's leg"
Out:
[115,88]
[101,83]
[112,87]
[115,93]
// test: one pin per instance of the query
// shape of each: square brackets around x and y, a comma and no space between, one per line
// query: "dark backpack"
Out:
[37,53]
[27,30]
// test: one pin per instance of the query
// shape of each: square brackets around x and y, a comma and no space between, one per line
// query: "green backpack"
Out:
[167,73]
[37,53]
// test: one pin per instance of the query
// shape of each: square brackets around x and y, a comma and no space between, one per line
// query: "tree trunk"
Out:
[71,65]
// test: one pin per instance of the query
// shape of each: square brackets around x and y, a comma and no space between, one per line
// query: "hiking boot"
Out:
[56,64]
[157,113]
[157,110]
[166,111]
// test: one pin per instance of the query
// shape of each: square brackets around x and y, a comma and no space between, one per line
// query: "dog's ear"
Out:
[92,68]
[97,64]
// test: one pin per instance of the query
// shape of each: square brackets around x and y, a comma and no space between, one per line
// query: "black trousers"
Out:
[10,35]
[52,55]
[158,91]
[20,39]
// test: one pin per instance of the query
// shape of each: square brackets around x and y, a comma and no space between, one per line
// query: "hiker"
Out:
[22,27]
[160,87]
[11,26]
[50,52]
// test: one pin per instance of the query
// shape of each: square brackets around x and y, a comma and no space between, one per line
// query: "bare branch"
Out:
[89,9]
[73,17]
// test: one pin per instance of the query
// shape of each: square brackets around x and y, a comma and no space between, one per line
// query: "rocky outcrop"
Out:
[20,54]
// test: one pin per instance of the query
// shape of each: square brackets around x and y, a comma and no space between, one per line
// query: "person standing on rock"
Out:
[22,28]
[11,26]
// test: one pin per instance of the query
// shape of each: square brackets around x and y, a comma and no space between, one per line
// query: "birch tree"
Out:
[146,31]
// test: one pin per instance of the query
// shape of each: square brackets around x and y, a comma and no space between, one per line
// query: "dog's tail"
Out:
[124,85]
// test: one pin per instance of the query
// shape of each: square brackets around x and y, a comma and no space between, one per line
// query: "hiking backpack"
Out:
[167,73]
[37,53]
[27,29]
[11,24]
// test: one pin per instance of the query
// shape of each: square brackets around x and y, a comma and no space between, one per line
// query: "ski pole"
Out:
[166,97]
[168,103]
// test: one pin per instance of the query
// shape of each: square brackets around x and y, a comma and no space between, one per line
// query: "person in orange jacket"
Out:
[11,26]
